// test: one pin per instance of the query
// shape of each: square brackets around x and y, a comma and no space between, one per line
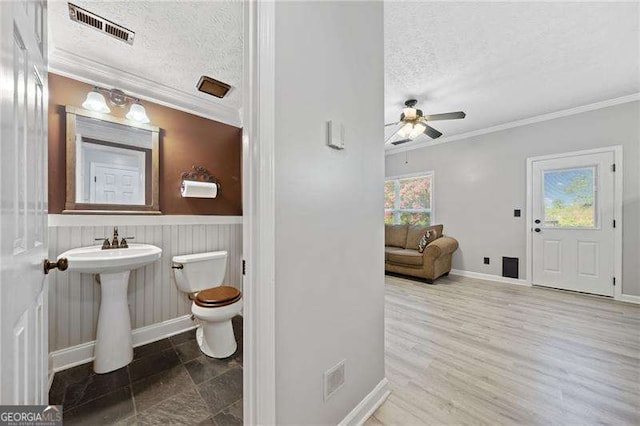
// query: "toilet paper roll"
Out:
[191,188]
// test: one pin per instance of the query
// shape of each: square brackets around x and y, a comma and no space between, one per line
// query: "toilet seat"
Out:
[217,297]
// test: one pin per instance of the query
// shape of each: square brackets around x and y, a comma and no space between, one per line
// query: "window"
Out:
[569,198]
[408,200]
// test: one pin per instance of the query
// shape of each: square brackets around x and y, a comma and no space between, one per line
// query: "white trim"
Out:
[368,405]
[489,277]
[518,123]
[259,213]
[70,65]
[629,298]
[50,374]
[63,220]
[617,210]
[83,353]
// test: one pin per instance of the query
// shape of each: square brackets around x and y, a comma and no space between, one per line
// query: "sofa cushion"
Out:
[395,235]
[416,232]
[405,257]
[387,250]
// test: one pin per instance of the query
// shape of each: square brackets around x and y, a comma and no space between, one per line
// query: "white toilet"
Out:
[214,305]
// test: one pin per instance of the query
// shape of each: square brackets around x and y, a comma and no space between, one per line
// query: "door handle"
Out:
[62,264]
[537,221]
[537,229]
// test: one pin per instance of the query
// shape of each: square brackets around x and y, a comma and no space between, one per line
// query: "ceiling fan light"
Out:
[405,130]
[417,130]
[137,113]
[410,113]
[96,102]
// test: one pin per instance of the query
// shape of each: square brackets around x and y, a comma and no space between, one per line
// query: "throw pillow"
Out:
[425,240]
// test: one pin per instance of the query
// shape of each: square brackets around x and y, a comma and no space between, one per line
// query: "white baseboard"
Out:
[489,277]
[629,298]
[83,353]
[368,405]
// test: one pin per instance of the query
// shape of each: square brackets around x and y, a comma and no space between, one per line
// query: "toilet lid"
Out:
[217,296]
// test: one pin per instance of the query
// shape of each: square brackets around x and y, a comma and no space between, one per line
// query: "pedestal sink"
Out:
[114,344]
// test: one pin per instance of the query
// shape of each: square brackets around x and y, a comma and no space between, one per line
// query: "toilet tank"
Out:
[200,271]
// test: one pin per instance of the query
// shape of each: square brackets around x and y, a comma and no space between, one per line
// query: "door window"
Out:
[570,198]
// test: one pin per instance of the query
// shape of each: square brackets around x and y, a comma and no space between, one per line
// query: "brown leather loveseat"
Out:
[402,255]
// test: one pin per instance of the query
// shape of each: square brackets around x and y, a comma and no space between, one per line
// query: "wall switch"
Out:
[486,260]
[333,379]
[516,213]
[335,135]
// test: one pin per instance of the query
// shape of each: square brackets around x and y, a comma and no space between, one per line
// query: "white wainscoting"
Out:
[74,298]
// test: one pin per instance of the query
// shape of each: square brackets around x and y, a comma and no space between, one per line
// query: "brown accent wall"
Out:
[185,140]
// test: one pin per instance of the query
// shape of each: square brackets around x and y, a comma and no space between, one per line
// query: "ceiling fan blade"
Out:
[386,141]
[446,116]
[401,141]
[431,132]
[392,124]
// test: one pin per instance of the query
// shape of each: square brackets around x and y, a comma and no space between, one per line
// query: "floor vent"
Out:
[101,24]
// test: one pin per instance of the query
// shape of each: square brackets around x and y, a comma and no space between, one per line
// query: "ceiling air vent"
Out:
[101,24]
[213,87]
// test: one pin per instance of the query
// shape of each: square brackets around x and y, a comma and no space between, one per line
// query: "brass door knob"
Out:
[62,264]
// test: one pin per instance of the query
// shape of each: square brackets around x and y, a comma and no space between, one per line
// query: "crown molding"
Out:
[79,68]
[518,123]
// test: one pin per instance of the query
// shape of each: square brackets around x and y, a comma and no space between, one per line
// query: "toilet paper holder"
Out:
[199,174]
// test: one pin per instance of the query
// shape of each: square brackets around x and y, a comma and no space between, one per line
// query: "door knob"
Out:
[537,221]
[537,229]
[62,264]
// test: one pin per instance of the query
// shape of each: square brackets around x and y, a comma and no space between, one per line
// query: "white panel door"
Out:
[572,229]
[23,202]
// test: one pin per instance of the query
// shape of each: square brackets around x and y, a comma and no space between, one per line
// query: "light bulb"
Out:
[410,113]
[418,129]
[96,102]
[405,130]
[137,113]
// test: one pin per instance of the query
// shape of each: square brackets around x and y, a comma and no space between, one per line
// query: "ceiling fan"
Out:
[413,123]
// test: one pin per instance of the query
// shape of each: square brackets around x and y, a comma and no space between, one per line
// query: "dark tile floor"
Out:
[168,382]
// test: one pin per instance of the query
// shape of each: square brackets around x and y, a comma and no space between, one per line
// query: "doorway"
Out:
[574,205]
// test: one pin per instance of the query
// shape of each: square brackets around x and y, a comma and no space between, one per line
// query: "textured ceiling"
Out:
[501,62]
[175,42]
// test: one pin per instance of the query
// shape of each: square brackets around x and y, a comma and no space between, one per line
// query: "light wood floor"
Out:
[466,351]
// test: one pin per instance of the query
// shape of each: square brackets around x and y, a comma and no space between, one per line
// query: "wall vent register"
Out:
[101,24]
[334,379]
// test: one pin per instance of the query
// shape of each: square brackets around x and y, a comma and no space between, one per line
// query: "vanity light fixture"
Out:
[137,113]
[96,102]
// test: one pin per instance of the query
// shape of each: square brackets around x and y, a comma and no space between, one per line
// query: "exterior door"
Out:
[23,199]
[573,229]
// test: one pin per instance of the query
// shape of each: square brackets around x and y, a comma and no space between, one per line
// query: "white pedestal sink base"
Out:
[114,343]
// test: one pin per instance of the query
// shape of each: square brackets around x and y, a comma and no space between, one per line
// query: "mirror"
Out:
[112,164]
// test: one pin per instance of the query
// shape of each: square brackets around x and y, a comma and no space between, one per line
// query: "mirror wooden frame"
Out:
[73,207]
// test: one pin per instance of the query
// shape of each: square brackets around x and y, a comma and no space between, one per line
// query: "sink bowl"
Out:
[114,343]
[94,260]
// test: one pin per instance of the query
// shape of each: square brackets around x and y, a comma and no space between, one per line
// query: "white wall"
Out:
[479,181]
[329,220]
[74,298]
